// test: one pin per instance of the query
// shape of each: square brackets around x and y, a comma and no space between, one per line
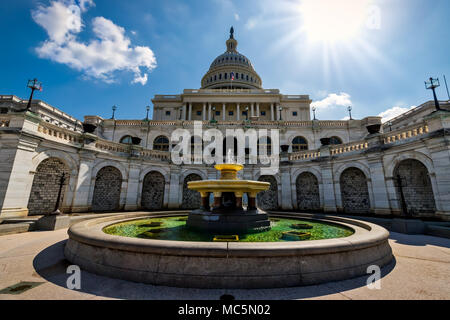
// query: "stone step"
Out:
[13,228]
[438,231]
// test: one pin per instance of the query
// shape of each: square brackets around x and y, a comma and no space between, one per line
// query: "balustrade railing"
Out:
[405,133]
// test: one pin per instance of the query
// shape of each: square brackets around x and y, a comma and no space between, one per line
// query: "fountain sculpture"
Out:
[227,214]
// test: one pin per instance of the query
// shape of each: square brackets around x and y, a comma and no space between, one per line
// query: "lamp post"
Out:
[390,126]
[350,112]
[432,85]
[246,113]
[281,116]
[314,112]
[214,114]
[114,108]
[62,180]
[33,85]
[148,109]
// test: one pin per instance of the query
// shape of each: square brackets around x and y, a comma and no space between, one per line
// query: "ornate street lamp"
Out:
[350,112]
[114,108]
[62,180]
[246,113]
[33,85]
[314,112]
[281,116]
[390,125]
[432,85]
[148,109]
[213,114]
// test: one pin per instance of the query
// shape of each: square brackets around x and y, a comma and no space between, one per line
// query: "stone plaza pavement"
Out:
[421,270]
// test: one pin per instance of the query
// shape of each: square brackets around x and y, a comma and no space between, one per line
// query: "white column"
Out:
[184,112]
[174,188]
[83,183]
[286,190]
[204,111]
[278,111]
[224,108]
[253,110]
[238,112]
[209,111]
[257,110]
[272,114]
[190,111]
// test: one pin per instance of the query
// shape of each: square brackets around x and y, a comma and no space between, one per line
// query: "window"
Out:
[4,110]
[226,76]
[199,113]
[161,143]
[215,77]
[220,76]
[231,113]
[295,113]
[244,113]
[335,140]
[217,113]
[126,140]
[263,113]
[247,77]
[167,113]
[237,75]
[299,144]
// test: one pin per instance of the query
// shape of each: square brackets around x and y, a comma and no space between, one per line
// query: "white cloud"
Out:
[85,4]
[393,113]
[333,100]
[99,58]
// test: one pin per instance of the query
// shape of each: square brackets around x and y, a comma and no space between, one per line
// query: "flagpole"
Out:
[448,94]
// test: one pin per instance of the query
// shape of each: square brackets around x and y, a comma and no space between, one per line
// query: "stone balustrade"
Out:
[59,133]
[349,147]
[405,133]
[304,155]
[112,146]
[155,155]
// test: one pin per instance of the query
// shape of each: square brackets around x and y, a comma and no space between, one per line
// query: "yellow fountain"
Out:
[227,214]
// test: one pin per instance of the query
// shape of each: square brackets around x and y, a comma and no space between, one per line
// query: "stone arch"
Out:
[153,188]
[415,191]
[424,159]
[191,198]
[268,200]
[308,194]
[46,185]
[107,189]
[354,191]
[71,164]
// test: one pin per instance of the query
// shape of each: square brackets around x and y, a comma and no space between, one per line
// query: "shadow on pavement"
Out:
[51,265]
[419,240]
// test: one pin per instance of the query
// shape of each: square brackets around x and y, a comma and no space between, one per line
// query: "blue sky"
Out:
[124,52]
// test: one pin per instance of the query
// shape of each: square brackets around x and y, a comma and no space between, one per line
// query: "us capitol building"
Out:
[344,167]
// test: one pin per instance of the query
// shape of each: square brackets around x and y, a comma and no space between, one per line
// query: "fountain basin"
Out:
[228,264]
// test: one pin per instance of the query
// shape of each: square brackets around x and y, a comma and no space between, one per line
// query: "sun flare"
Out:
[333,20]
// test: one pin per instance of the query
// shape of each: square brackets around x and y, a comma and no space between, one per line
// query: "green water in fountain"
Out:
[174,229]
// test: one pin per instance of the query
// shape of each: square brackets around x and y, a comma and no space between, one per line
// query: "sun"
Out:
[333,20]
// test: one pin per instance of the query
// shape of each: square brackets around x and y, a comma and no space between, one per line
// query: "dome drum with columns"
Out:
[229,64]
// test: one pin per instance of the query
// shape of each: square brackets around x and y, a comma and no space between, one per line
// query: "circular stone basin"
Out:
[244,265]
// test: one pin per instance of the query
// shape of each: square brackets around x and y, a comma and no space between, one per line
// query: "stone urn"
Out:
[89,128]
[374,128]
[285,148]
[136,141]
[325,141]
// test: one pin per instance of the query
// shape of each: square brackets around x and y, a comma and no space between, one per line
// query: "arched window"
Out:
[220,76]
[299,144]
[335,140]
[126,140]
[215,77]
[161,143]
[226,75]
[247,77]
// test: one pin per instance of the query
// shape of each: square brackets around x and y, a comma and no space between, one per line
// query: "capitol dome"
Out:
[231,64]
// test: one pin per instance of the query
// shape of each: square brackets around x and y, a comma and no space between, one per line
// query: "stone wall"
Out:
[416,186]
[191,198]
[46,183]
[107,190]
[308,196]
[354,191]
[153,191]
[268,200]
